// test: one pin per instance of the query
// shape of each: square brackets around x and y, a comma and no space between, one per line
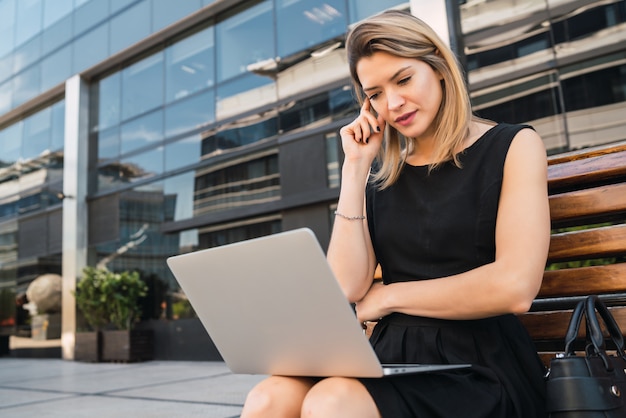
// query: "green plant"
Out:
[107,298]
[124,291]
[91,299]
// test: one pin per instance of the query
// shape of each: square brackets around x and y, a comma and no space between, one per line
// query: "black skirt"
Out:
[506,379]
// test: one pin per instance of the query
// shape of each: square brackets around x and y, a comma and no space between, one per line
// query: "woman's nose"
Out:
[394,101]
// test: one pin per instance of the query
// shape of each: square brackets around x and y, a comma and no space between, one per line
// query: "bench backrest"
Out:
[587,253]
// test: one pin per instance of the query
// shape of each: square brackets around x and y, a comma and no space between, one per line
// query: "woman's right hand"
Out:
[362,138]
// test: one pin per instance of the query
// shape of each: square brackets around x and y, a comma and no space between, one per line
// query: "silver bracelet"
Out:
[350,218]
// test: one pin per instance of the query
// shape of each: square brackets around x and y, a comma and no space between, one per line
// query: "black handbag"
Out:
[593,385]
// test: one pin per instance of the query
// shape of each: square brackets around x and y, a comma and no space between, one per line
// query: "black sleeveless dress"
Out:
[434,225]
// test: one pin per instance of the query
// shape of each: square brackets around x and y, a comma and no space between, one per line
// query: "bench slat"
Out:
[589,171]
[601,242]
[584,281]
[589,204]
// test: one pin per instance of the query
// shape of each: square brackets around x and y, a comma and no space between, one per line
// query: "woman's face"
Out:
[406,92]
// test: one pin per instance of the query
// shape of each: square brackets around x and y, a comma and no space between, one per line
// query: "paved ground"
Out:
[59,388]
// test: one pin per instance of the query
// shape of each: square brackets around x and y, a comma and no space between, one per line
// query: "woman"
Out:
[455,211]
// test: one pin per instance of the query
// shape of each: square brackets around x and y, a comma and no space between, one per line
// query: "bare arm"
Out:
[507,285]
[350,252]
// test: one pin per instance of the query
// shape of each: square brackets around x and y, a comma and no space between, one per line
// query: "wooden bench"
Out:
[587,255]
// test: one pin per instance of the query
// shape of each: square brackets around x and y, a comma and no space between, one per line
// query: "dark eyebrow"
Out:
[396,74]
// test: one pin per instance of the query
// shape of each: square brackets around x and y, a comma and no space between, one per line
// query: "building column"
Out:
[74,203]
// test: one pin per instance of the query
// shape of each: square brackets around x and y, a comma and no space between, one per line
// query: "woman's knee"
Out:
[339,397]
[276,397]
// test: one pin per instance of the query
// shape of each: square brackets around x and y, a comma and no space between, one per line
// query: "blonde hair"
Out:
[404,35]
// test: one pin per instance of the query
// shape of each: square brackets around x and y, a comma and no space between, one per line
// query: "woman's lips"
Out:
[406,118]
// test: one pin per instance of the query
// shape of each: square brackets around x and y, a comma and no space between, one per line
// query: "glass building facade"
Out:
[209,122]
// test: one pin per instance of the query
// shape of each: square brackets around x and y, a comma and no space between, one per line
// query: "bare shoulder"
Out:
[527,154]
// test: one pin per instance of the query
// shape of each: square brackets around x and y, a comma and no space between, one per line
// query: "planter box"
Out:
[88,346]
[127,346]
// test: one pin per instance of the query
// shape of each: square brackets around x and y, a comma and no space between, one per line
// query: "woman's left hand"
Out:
[371,307]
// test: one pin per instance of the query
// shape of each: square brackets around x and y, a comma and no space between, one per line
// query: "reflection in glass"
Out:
[250,183]
[109,101]
[360,9]
[53,10]
[143,131]
[36,134]
[304,24]
[9,195]
[57,133]
[183,152]
[241,133]
[595,88]
[209,239]
[245,38]
[190,65]
[179,192]
[26,54]
[108,143]
[142,86]
[142,166]
[332,160]
[11,144]
[7,26]
[190,114]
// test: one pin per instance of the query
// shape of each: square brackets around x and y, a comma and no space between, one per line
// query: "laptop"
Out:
[272,306]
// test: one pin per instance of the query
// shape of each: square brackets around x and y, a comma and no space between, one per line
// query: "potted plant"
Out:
[125,343]
[110,304]
[91,301]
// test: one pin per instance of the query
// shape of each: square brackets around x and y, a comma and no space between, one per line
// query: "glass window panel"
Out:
[183,152]
[57,34]
[165,12]
[11,144]
[243,39]
[129,27]
[57,134]
[26,54]
[244,93]
[9,197]
[304,23]
[36,134]
[179,191]
[109,176]
[117,5]
[249,183]
[240,134]
[6,96]
[27,20]
[142,166]
[142,86]
[143,131]
[109,101]
[190,65]
[31,201]
[53,10]
[26,85]
[108,143]
[240,233]
[332,160]
[190,114]
[6,67]
[91,48]
[90,14]
[56,68]
[360,9]
[7,26]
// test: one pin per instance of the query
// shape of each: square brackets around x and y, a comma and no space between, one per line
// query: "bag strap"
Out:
[593,305]
[574,326]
